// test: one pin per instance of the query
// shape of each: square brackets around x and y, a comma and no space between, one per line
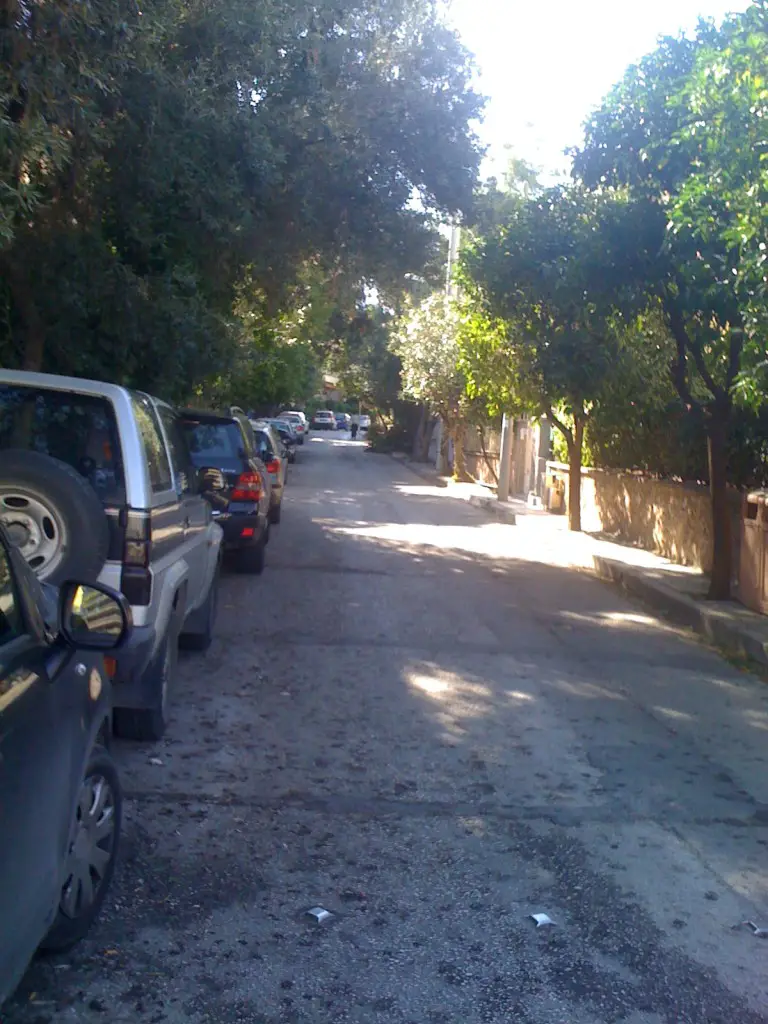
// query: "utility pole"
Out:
[505,458]
[451,292]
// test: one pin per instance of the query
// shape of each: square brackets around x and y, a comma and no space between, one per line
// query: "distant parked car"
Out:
[269,451]
[298,421]
[287,437]
[365,422]
[234,480]
[60,796]
[324,419]
[96,483]
[343,420]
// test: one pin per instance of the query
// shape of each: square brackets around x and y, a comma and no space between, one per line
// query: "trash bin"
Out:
[753,579]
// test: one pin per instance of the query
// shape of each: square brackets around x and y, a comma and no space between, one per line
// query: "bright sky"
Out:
[545,66]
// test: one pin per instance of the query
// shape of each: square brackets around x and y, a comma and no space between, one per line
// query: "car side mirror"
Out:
[93,617]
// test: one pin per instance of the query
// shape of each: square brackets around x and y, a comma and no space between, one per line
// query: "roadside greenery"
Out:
[426,340]
[630,307]
[189,192]
[220,201]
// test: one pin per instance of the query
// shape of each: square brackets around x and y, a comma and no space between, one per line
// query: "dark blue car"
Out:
[60,796]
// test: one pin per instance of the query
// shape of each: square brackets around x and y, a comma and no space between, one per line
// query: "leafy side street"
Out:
[325,394]
[409,725]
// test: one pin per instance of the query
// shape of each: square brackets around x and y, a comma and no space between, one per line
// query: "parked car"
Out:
[365,422]
[234,480]
[324,419]
[343,420]
[298,421]
[287,437]
[96,483]
[269,450]
[60,796]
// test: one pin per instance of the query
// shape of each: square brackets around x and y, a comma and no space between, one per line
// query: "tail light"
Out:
[136,578]
[273,466]
[248,488]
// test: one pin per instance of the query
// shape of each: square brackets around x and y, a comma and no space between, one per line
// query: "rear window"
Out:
[77,429]
[263,444]
[220,442]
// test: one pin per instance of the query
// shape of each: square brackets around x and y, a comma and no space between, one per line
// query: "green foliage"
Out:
[367,369]
[181,178]
[684,134]
[426,342]
[544,338]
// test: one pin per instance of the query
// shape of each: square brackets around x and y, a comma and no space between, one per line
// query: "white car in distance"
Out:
[298,421]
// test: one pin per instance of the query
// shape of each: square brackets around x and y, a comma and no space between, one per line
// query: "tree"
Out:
[157,164]
[683,134]
[426,342]
[544,342]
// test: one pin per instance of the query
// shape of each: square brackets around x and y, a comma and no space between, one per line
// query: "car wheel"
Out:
[149,724]
[201,637]
[275,513]
[90,861]
[252,559]
[47,508]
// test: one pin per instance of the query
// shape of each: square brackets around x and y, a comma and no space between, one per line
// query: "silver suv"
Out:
[96,483]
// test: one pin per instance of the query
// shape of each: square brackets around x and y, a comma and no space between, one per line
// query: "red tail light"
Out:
[273,466]
[248,488]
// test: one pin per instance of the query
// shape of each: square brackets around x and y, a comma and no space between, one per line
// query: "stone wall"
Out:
[670,518]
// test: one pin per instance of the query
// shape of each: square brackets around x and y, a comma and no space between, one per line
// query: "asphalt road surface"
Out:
[411,721]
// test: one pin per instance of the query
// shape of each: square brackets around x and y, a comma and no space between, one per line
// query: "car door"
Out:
[195,511]
[35,776]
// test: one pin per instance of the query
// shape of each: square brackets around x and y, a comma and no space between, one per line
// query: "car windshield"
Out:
[80,430]
[213,441]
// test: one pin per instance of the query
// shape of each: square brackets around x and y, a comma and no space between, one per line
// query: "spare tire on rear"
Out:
[53,515]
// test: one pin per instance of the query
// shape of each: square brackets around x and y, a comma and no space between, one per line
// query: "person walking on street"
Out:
[354,426]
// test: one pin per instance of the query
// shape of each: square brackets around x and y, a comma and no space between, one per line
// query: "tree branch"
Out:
[698,357]
[679,367]
[734,355]
[565,431]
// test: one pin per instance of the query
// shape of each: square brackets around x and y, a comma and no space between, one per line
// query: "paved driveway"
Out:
[414,722]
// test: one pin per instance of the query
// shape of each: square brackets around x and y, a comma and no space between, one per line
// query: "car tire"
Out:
[95,836]
[253,559]
[201,638]
[275,513]
[48,507]
[149,724]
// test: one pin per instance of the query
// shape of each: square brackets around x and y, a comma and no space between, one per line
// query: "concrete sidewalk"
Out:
[676,592]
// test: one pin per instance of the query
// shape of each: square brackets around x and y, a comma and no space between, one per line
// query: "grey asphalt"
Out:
[410,724]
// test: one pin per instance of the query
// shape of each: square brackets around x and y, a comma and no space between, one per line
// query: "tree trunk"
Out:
[459,463]
[442,459]
[575,453]
[422,431]
[427,438]
[722,547]
[22,291]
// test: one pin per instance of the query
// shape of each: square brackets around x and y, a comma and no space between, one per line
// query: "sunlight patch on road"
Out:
[428,684]
[757,719]
[489,539]
[672,713]
[519,696]
[456,699]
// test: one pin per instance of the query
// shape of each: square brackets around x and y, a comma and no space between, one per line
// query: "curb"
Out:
[419,469]
[709,622]
[496,508]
